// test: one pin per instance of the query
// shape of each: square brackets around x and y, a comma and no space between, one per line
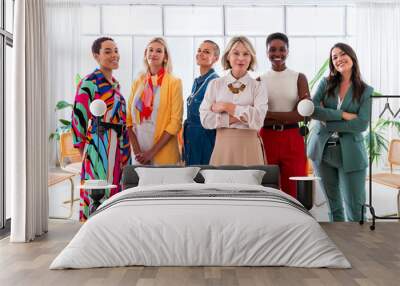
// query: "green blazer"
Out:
[354,154]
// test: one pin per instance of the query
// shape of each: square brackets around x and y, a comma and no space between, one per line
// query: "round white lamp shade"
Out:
[98,107]
[305,107]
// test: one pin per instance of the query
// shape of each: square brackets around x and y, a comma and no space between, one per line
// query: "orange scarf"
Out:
[144,103]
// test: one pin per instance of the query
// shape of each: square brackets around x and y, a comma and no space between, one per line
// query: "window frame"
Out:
[225,34]
[6,39]
[344,20]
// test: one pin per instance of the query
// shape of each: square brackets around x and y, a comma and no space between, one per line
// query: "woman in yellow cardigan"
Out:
[155,109]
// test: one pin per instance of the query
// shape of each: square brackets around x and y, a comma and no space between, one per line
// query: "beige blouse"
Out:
[251,103]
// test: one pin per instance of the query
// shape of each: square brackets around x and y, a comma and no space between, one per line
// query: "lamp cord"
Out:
[98,145]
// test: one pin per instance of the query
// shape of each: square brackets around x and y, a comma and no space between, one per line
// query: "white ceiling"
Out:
[234,2]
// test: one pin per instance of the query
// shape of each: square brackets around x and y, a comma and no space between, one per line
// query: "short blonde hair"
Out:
[166,64]
[245,41]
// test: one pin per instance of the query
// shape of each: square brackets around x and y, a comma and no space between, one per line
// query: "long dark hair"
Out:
[335,77]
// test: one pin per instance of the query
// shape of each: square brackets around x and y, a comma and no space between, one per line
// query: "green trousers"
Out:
[345,191]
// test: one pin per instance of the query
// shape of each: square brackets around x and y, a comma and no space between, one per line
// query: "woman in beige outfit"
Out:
[236,105]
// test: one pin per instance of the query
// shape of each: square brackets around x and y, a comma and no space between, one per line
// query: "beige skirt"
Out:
[237,147]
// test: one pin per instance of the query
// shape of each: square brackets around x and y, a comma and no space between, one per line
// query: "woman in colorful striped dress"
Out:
[106,155]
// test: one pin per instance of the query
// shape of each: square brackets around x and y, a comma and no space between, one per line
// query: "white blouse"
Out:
[282,90]
[145,130]
[251,103]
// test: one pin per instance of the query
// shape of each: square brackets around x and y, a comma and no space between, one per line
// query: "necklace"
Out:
[236,90]
[193,94]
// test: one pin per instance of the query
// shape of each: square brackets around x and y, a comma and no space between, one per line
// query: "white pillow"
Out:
[248,177]
[166,176]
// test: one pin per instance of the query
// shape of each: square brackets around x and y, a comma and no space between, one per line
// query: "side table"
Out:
[305,190]
[96,193]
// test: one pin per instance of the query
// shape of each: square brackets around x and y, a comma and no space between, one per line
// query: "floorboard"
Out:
[374,255]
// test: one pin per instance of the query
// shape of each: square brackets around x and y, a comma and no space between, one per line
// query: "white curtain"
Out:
[378,45]
[63,27]
[28,164]
[378,49]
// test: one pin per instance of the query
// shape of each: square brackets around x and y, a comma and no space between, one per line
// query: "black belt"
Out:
[332,143]
[281,127]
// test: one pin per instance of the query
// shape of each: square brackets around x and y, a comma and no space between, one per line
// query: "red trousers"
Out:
[286,149]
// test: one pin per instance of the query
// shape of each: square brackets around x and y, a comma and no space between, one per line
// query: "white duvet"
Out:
[200,231]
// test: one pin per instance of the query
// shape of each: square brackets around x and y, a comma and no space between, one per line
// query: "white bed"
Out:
[224,225]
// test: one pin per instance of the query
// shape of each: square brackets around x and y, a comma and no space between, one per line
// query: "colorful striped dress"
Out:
[104,157]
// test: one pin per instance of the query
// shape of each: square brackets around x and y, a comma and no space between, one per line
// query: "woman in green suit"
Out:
[342,108]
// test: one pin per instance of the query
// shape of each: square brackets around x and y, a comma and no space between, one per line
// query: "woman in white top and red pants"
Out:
[283,142]
[236,105]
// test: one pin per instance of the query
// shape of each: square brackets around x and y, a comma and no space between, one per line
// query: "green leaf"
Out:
[63,104]
[319,74]
[394,123]
[379,125]
[375,93]
[63,129]
[378,141]
[78,79]
[65,122]
[54,136]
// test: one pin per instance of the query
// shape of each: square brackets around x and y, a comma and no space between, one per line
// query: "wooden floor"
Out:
[374,255]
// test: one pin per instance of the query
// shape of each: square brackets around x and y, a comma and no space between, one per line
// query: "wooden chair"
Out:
[68,152]
[55,177]
[309,168]
[390,179]
[70,163]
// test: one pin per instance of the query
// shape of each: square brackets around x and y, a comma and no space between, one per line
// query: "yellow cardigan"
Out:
[169,117]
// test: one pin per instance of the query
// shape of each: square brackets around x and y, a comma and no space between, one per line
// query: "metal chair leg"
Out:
[398,203]
[72,198]
[71,204]
[69,201]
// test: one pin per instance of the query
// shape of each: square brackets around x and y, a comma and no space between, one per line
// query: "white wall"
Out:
[312,31]
[311,35]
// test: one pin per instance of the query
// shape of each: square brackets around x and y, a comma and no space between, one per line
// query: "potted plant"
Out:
[377,135]
[65,124]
